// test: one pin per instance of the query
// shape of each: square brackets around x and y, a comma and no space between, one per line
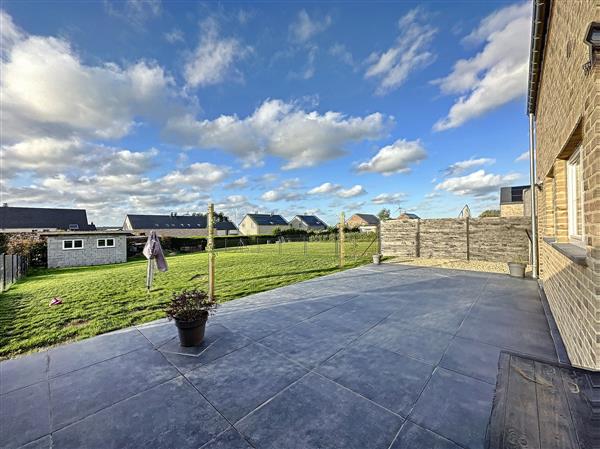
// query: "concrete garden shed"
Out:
[76,249]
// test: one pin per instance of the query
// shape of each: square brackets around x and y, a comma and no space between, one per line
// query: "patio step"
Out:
[544,405]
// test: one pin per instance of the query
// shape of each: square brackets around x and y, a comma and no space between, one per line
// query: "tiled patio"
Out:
[376,357]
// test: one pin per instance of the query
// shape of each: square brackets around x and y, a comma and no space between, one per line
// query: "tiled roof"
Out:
[268,219]
[43,218]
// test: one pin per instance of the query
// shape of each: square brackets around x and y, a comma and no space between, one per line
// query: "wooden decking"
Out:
[541,405]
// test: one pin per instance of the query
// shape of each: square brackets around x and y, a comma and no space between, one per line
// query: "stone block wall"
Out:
[492,239]
[90,254]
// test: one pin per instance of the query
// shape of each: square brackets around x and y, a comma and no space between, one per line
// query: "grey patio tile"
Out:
[447,319]
[42,443]
[421,343]
[67,358]
[171,415]
[510,318]
[83,392]
[455,406]
[158,332]
[414,437]
[24,415]
[317,413]
[513,302]
[472,358]
[256,324]
[23,371]
[239,382]
[307,343]
[392,380]
[218,341]
[515,338]
[229,439]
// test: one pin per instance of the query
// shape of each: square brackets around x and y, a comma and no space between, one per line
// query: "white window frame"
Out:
[72,244]
[576,230]
[105,240]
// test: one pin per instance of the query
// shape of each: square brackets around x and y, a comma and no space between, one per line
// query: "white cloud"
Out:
[46,156]
[309,68]
[340,52]
[135,12]
[199,174]
[409,53]
[215,57]
[280,195]
[524,156]
[47,91]
[238,183]
[174,36]
[389,198]
[462,166]
[304,27]
[395,158]
[497,74]
[351,192]
[324,188]
[279,129]
[477,184]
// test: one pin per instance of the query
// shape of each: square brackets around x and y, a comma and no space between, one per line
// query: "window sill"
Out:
[575,253]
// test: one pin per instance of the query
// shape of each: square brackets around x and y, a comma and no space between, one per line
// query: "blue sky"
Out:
[152,107]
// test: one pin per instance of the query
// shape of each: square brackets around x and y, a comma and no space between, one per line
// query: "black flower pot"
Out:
[191,333]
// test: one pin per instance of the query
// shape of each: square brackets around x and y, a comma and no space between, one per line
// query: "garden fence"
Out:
[12,268]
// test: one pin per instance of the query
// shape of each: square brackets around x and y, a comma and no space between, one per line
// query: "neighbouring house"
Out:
[174,225]
[515,201]
[41,219]
[255,224]
[564,102]
[364,222]
[83,248]
[408,216]
[308,223]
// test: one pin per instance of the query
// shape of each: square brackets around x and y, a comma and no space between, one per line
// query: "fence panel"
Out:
[12,268]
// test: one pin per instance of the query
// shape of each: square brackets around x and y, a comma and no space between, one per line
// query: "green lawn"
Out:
[104,298]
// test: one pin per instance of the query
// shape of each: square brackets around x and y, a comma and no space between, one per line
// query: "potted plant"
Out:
[516,269]
[190,310]
[376,259]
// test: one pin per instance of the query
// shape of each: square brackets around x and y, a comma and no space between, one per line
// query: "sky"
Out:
[287,107]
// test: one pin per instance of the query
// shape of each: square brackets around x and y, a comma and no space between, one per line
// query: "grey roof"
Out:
[409,215]
[312,221]
[175,222]
[370,219]
[268,219]
[72,233]
[43,218]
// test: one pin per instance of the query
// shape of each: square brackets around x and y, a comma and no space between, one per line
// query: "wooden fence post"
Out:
[418,239]
[210,246]
[342,237]
[468,239]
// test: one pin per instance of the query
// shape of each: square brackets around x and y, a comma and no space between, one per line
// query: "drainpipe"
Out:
[534,230]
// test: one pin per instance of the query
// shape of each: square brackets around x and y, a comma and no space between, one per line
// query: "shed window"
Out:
[106,243]
[72,244]
[575,197]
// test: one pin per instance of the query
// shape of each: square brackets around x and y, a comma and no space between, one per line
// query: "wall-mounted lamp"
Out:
[592,39]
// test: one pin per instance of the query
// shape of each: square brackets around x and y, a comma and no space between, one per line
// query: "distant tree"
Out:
[489,213]
[384,214]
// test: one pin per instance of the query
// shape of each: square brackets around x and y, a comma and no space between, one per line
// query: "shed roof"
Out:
[43,218]
[311,220]
[268,219]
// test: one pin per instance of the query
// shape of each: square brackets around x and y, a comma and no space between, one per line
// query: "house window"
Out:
[575,197]
[72,244]
[106,243]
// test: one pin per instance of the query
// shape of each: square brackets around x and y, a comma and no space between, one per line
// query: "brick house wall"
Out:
[90,254]
[568,117]
[355,221]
